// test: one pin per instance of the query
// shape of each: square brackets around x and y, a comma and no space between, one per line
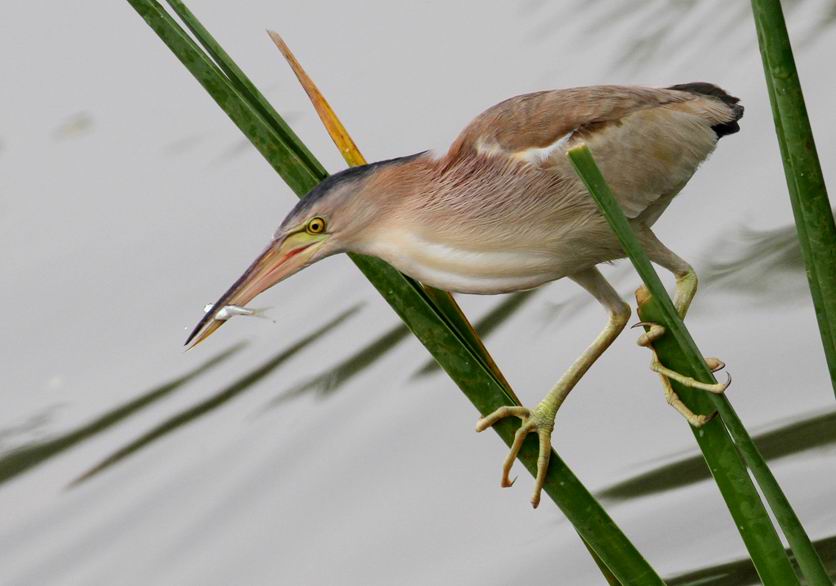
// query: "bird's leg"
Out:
[540,420]
[686,289]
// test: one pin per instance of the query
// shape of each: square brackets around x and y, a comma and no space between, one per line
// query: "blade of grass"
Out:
[291,167]
[411,303]
[671,355]
[245,86]
[808,194]
[679,352]
[336,130]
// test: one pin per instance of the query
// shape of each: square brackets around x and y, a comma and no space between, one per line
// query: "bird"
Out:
[502,210]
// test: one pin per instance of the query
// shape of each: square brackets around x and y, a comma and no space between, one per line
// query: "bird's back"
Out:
[504,210]
[647,141]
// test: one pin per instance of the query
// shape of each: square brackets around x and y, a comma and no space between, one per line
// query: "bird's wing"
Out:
[538,120]
[533,127]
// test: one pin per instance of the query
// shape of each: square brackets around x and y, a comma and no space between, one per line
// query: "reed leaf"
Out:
[447,345]
[721,439]
[808,194]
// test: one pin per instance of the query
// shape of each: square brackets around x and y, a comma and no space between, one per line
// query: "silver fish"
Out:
[229,311]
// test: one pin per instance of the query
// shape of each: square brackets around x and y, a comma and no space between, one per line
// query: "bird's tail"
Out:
[707,89]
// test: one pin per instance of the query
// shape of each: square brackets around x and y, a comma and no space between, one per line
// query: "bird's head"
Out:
[333,217]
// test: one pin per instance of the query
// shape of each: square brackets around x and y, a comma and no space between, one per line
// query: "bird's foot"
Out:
[539,421]
[653,333]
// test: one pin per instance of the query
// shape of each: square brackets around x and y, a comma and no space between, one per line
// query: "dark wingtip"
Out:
[709,89]
[703,88]
[726,128]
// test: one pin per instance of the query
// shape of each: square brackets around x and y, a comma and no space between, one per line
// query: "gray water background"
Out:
[128,201]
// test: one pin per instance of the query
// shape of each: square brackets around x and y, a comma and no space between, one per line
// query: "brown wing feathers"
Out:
[538,119]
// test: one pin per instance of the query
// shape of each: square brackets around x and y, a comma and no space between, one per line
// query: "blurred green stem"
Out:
[810,205]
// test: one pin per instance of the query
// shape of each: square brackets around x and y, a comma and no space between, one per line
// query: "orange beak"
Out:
[281,259]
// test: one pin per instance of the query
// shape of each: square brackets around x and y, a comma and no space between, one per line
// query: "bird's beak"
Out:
[281,259]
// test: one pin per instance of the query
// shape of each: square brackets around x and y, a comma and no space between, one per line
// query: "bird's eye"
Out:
[315,226]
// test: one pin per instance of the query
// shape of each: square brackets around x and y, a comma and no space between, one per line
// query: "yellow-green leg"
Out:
[686,289]
[541,419]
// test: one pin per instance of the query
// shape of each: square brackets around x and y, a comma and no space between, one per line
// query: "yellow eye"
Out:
[315,226]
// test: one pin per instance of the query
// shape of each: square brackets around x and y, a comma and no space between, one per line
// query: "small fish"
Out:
[230,311]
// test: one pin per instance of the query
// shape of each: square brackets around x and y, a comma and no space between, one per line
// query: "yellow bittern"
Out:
[503,211]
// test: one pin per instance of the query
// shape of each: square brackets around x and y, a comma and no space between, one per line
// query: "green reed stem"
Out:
[720,439]
[808,194]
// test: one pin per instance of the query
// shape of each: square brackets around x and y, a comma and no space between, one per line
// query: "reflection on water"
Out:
[741,572]
[217,400]
[28,430]
[826,20]
[488,323]
[236,148]
[25,457]
[75,126]
[243,145]
[811,432]
[184,144]
[330,380]
[765,265]
[659,30]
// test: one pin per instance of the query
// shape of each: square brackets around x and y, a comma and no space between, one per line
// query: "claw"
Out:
[654,332]
[714,364]
[725,385]
[705,419]
[699,421]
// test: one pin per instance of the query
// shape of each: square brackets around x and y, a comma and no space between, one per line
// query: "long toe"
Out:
[519,438]
[502,413]
[690,382]
[545,435]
